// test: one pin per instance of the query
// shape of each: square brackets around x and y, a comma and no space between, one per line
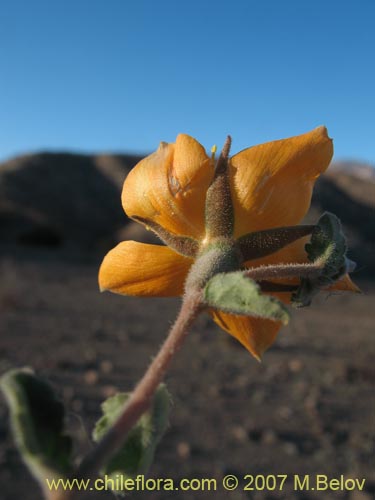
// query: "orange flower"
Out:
[271,186]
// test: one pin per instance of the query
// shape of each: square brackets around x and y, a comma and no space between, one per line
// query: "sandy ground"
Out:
[309,408]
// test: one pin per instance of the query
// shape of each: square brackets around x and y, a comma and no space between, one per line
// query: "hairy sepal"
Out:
[181,244]
[262,243]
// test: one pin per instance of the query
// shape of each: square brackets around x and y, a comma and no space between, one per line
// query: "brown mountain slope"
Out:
[61,198]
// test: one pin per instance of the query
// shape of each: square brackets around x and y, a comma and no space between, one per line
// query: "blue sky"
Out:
[121,75]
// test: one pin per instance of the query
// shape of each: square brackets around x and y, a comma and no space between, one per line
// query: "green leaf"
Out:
[137,454]
[236,294]
[328,245]
[37,419]
[328,248]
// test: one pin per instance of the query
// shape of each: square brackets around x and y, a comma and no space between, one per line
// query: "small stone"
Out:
[183,450]
[108,391]
[311,401]
[269,437]
[285,412]
[239,433]
[290,449]
[295,365]
[360,495]
[106,367]
[90,354]
[91,377]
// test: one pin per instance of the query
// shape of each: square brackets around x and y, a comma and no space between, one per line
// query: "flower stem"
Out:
[143,393]
[284,271]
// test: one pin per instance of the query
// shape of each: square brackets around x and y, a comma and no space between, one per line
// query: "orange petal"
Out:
[272,183]
[133,268]
[345,284]
[255,334]
[169,187]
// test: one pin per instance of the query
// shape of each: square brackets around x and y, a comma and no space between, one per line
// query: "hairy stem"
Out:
[142,395]
[284,271]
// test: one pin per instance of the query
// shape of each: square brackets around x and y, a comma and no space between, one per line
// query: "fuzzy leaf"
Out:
[328,247]
[328,244]
[37,419]
[234,293]
[137,454]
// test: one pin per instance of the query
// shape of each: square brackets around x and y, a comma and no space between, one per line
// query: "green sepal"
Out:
[236,294]
[268,241]
[326,248]
[219,211]
[136,455]
[37,420]
[183,245]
